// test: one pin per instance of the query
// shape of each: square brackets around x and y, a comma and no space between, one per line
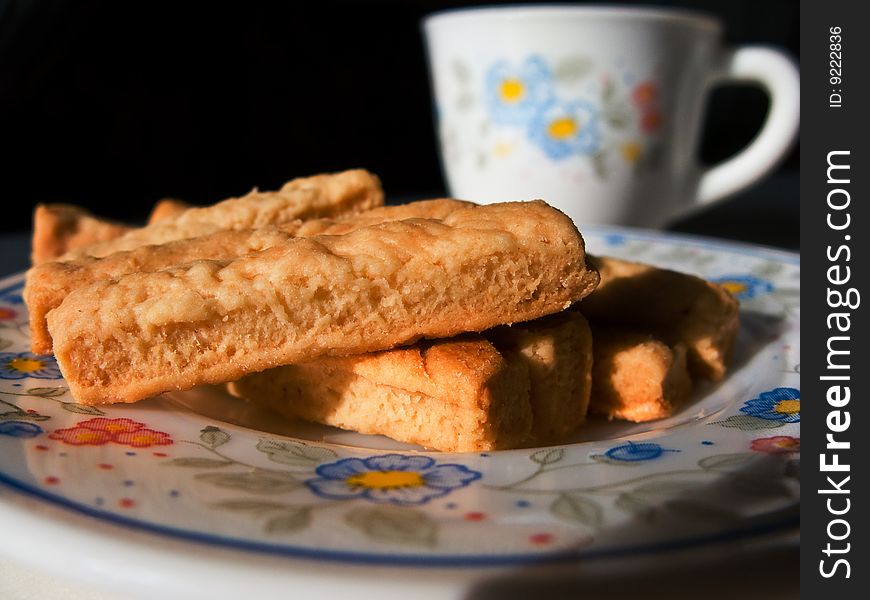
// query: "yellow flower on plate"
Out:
[386,480]
[735,288]
[18,365]
[788,407]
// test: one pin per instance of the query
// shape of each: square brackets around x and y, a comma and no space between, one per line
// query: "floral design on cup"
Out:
[515,93]
[543,104]
[390,478]
[566,128]
[645,96]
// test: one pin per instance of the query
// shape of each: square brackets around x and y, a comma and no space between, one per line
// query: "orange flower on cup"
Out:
[100,431]
[644,94]
[650,121]
[646,98]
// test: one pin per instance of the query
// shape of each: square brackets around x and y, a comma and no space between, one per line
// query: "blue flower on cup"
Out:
[20,429]
[18,365]
[635,452]
[780,404]
[514,94]
[744,287]
[562,129]
[390,478]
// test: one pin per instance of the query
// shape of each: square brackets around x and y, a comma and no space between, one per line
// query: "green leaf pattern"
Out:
[394,525]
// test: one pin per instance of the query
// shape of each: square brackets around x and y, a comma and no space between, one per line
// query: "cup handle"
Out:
[774,71]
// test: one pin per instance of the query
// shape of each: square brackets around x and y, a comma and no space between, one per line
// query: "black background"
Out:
[112,105]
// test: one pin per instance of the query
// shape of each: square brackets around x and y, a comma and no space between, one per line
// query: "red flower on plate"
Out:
[99,431]
[143,438]
[81,436]
[778,444]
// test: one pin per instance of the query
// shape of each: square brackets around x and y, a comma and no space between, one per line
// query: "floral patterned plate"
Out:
[207,469]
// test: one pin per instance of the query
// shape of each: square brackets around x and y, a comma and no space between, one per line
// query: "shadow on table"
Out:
[768,573]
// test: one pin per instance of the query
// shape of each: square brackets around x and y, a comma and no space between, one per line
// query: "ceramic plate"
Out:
[206,468]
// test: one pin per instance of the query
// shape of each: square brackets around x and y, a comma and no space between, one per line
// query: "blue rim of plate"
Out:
[784,519]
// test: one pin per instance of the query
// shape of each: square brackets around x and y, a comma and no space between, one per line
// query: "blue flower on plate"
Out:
[615,239]
[514,93]
[744,287]
[564,128]
[390,478]
[779,404]
[20,429]
[12,294]
[18,365]
[634,452]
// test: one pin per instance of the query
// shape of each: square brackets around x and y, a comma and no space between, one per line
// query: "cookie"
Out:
[48,284]
[675,307]
[456,395]
[636,377]
[303,198]
[371,289]
[60,228]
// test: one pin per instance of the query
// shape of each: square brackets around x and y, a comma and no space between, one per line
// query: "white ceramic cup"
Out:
[596,110]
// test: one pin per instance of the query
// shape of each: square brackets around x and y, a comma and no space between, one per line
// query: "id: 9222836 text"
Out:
[835,64]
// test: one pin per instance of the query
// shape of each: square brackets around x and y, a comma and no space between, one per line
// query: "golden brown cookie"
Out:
[60,228]
[558,353]
[675,307]
[512,386]
[635,376]
[167,208]
[456,395]
[304,198]
[49,283]
[367,290]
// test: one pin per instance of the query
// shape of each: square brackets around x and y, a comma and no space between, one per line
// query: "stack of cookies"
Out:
[443,323]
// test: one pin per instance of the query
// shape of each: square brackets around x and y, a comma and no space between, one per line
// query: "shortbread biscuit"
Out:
[371,289]
[637,377]
[511,386]
[558,353]
[48,284]
[456,395]
[304,198]
[676,307]
[60,228]
[167,208]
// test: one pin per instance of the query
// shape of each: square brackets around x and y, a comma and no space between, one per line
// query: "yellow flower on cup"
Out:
[631,152]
